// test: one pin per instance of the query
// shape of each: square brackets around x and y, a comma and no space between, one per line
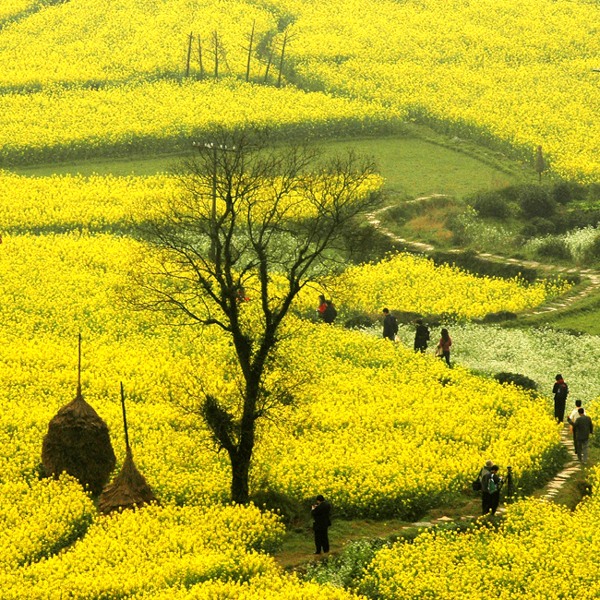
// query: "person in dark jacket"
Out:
[582,429]
[490,490]
[321,514]
[560,391]
[390,325]
[330,312]
[421,336]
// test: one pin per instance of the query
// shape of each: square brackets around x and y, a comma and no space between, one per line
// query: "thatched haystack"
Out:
[78,442]
[128,489]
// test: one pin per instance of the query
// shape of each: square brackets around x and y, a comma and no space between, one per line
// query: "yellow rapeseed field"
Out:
[524,558]
[380,431]
[492,70]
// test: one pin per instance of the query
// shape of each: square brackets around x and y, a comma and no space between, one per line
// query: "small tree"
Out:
[248,217]
[540,163]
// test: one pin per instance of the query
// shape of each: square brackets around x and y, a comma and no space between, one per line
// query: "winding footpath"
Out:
[592,276]
[572,466]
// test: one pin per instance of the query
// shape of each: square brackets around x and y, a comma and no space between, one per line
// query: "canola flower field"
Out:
[378,430]
[524,558]
[350,433]
[495,71]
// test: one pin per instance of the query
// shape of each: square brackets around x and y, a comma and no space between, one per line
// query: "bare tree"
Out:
[249,218]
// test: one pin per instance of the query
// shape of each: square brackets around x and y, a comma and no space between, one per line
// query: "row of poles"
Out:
[216,51]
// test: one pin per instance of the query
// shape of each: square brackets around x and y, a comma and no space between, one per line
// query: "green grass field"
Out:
[412,166]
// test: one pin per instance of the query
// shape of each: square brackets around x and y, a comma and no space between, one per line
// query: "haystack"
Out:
[129,488]
[78,443]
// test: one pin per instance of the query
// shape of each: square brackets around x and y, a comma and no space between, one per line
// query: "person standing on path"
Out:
[494,485]
[421,336]
[390,325]
[571,420]
[483,474]
[321,514]
[443,347]
[490,488]
[560,391]
[583,428]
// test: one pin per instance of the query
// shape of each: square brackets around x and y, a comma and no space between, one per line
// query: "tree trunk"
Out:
[240,472]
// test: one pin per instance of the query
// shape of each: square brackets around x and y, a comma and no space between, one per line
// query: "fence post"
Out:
[250,51]
[189,54]
[216,40]
[285,37]
[200,57]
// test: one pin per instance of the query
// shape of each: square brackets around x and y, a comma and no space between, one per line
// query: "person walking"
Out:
[421,336]
[390,325]
[443,347]
[582,428]
[560,391]
[571,420]
[321,514]
[490,488]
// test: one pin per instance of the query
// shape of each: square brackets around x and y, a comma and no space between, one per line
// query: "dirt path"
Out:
[592,276]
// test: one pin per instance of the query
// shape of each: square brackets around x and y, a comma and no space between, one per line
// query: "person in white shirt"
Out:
[572,418]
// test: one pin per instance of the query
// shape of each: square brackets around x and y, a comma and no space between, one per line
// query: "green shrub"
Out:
[498,317]
[290,510]
[491,204]
[538,226]
[359,322]
[581,218]
[347,569]
[535,201]
[516,379]
[591,254]
[566,191]
[554,248]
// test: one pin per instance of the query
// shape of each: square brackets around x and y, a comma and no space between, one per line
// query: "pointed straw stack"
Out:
[78,443]
[129,488]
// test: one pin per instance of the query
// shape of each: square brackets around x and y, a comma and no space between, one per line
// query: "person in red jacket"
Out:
[443,347]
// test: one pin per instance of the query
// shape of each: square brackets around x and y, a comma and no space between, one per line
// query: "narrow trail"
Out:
[550,490]
[553,487]
[592,276]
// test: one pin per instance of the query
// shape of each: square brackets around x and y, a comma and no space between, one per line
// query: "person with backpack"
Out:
[491,491]
[490,483]
[421,336]
[571,420]
[560,391]
[582,429]
[390,325]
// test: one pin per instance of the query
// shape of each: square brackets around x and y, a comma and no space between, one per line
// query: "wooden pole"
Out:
[285,37]
[250,51]
[189,54]
[269,61]
[200,57]
[79,365]
[216,39]
[124,417]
